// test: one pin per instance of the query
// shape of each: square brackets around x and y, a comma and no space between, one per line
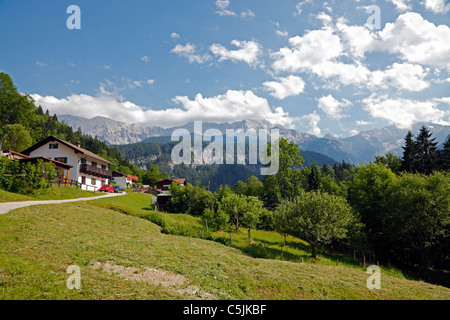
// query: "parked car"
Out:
[118,189]
[107,188]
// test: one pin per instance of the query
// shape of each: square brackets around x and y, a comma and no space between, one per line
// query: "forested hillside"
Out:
[146,154]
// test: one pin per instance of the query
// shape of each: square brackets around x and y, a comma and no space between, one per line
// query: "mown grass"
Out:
[6,196]
[53,193]
[264,244]
[37,244]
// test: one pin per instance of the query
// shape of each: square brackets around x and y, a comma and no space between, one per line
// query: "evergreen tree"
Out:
[314,178]
[409,154]
[444,156]
[426,160]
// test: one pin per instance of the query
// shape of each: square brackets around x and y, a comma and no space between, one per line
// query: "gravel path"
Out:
[6,207]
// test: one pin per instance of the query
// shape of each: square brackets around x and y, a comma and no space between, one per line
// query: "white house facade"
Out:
[89,169]
[124,180]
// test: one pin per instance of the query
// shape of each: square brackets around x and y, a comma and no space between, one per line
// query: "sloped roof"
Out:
[14,152]
[68,144]
[58,163]
[182,181]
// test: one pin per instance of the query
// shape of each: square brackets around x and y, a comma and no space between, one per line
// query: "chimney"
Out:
[78,144]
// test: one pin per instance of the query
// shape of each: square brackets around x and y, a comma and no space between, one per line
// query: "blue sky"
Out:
[311,65]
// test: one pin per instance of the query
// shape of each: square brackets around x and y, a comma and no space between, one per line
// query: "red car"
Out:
[107,188]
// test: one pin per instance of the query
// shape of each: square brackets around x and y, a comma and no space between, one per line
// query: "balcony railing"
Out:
[94,171]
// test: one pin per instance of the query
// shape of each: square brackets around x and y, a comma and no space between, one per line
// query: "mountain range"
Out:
[356,149]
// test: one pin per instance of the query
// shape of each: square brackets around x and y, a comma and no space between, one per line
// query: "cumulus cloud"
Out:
[363,123]
[189,51]
[248,52]
[146,59]
[337,52]
[404,76]
[223,8]
[405,112]
[282,33]
[333,107]
[401,5]
[285,87]
[175,35]
[229,107]
[312,120]
[299,7]
[417,40]
[437,6]
[247,14]
[317,52]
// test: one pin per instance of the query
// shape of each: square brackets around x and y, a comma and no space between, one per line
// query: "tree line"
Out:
[378,210]
[23,124]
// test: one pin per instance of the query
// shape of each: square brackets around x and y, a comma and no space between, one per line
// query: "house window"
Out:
[83,161]
[62,159]
[53,146]
[83,180]
[103,182]
[94,182]
[103,167]
[94,164]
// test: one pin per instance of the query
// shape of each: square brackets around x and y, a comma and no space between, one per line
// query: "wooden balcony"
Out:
[96,172]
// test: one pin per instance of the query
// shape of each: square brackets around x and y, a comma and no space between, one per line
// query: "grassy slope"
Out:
[6,196]
[37,244]
[53,193]
[186,225]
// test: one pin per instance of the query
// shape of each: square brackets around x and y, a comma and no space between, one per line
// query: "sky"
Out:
[321,67]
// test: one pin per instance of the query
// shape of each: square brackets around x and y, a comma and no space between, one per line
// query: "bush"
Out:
[25,178]
[216,220]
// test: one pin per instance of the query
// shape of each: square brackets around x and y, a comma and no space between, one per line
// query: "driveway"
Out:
[6,207]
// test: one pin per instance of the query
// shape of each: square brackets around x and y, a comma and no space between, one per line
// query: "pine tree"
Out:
[314,178]
[427,151]
[409,154]
[444,156]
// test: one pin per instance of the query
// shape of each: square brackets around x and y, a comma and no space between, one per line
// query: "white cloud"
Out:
[175,35]
[300,5]
[363,123]
[247,14]
[317,52]
[282,33]
[229,107]
[41,64]
[248,52]
[437,6]
[285,87]
[333,107]
[403,76]
[405,112]
[189,51]
[417,40]
[146,59]
[336,53]
[313,120]
[151,82]
[222,6]
[223,9]
[401,5]
[356,39]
